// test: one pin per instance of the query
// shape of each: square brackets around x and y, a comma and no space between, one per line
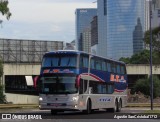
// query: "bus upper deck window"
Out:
[122,70]
[109,67]
[118,69]
[47,62]
[68,61]
[85,62]
[104,66]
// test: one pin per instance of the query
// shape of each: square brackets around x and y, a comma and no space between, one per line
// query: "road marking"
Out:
[40,110]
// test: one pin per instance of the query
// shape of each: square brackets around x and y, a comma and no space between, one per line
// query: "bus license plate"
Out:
[55,104]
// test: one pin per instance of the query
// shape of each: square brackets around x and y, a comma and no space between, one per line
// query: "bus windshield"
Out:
[60,61]
[58,85]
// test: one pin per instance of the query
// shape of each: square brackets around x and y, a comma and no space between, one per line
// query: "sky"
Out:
[51,20]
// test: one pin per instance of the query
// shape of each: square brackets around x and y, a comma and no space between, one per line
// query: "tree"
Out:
[126,60]
[155,38]
[1,68]
[5,11]
[138,58]
[142,57]
[143,85]
[4,8]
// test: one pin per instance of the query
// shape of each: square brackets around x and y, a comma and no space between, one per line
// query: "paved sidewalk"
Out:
[3,106]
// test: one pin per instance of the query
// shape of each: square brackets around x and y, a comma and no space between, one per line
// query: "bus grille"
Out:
[57,98]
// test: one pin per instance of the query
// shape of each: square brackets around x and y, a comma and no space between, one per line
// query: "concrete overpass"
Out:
[142,69]
[18,71]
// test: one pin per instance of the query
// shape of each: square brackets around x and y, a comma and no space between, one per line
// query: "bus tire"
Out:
[53,112]
[114,109]
[119,107]
[89,107]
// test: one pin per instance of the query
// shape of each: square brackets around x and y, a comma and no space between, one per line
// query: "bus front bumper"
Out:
[58,106]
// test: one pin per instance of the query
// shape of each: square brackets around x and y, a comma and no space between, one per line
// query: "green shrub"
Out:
[2,96]
[143,85]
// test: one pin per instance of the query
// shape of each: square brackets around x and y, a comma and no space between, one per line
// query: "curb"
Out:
[3,106]
[142,105]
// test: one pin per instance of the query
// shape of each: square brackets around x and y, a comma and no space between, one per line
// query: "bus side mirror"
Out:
[90,90]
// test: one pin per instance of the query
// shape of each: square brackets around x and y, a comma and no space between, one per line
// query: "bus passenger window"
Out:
[47,62]
[122,70]
[92,64]
[55,61]
[110,89]
[64,61]
[104,67]
[93,84]
[109,67]
[85,62]
[98,65]
[68,61]
[113,68]
[72,61]
[104,89]
[118,69]
[99,87]
[83,86]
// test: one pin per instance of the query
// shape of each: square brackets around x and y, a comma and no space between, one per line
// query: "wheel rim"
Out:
[120,105]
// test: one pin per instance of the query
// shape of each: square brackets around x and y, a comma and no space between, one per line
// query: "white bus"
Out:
[77,81]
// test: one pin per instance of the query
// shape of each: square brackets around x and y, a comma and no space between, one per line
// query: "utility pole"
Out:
[151,78]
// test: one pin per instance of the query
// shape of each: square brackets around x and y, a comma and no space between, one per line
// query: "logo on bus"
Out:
[57,71]
[46,71]
[117,78]
[105,99]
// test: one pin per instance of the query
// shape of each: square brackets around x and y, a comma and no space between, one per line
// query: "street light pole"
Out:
[151,79]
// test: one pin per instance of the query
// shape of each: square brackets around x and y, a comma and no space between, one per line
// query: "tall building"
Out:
[116,22]
[94,34]
[94,31]
[138,44]
[155,14]
[86,40]
[83,20]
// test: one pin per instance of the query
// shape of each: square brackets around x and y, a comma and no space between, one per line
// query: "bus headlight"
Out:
[40,99]
[75,98]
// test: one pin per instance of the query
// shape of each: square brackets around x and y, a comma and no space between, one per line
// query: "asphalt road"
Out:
[100,116]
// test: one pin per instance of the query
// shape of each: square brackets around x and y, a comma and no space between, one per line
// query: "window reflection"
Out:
[59,61]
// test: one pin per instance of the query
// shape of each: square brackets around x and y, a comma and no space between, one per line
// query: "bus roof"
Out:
[79,52]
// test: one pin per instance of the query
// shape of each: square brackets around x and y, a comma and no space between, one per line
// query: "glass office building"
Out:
[117,26]
[83,21]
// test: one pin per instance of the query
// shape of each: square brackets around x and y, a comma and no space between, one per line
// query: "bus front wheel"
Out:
[88,108]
